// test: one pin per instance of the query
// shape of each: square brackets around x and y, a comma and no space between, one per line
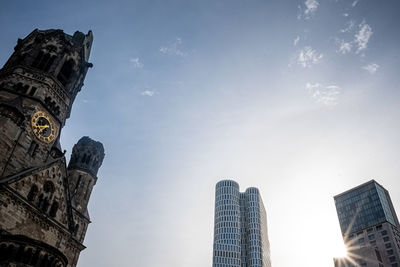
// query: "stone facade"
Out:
[43,202]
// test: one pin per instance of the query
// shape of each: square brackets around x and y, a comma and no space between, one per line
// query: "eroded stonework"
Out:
[43,202]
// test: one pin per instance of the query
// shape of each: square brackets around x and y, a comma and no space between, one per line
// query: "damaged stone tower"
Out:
[43,202]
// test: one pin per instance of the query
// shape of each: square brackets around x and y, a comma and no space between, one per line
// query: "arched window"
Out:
[66,71]
[3,252]
[43,61]
[44,206]
[48,187]
[88,159]
[28,253]
[21,88]
[53,209]
[32,193]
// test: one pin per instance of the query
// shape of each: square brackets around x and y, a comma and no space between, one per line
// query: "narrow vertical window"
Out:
[32,149]
[32,193]
[87,191]
[53,209]
[77,184]
[65,73]
[32,91]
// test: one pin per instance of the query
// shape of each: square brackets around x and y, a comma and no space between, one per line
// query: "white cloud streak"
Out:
[173,48]
[147,93]
[327,95]
[371,68]
[136,62]
[362,36]
[296,40]
[308,57]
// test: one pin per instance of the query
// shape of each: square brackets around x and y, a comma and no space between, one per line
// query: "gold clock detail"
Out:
[43,126]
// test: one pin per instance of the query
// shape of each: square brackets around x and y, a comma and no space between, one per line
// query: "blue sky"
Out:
[297,98]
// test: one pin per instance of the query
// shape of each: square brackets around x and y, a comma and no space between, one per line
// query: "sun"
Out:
[339,249]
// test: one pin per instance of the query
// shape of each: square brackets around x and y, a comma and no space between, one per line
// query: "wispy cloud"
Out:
[147,93]
[327,95]
[371,68]
[362,36]
[345,47]
[296,40]
[349,26]
[136,62]
[308,56]
[173,48]
[308,10]
[355,3]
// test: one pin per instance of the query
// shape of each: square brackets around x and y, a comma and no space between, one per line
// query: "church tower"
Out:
[39,84]
[43,203]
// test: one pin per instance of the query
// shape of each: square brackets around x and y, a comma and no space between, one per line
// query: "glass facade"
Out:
[362,207]
[240,228]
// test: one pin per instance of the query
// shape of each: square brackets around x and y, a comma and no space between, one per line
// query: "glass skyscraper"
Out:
[369,226]
[240,227]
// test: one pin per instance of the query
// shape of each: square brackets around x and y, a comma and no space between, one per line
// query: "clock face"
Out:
[43,126]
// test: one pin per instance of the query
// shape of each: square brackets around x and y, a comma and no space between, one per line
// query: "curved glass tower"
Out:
[240,227]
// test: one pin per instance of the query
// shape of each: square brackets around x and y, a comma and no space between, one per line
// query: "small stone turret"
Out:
[87,155]
[86,159]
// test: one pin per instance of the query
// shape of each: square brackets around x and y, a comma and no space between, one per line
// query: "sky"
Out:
[299,98]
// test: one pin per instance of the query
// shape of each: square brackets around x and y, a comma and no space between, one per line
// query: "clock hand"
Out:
[42,128]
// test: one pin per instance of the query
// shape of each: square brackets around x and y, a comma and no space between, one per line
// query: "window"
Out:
[378,255]
[87,191]
[386,239]
[21,88]
[32,149]
[371,237]
[66,71]
[32,193]
[384,232]
[392,258]
[32,91]
[77,184]
[48,187]
[43,61]
[388,245]
[53,209]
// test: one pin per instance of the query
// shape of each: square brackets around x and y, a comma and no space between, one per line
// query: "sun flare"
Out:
[339,250]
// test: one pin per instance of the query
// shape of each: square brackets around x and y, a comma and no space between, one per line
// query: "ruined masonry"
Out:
[43,202]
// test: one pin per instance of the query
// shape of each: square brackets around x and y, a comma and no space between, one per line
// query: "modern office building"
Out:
[369,226]
[240,227]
